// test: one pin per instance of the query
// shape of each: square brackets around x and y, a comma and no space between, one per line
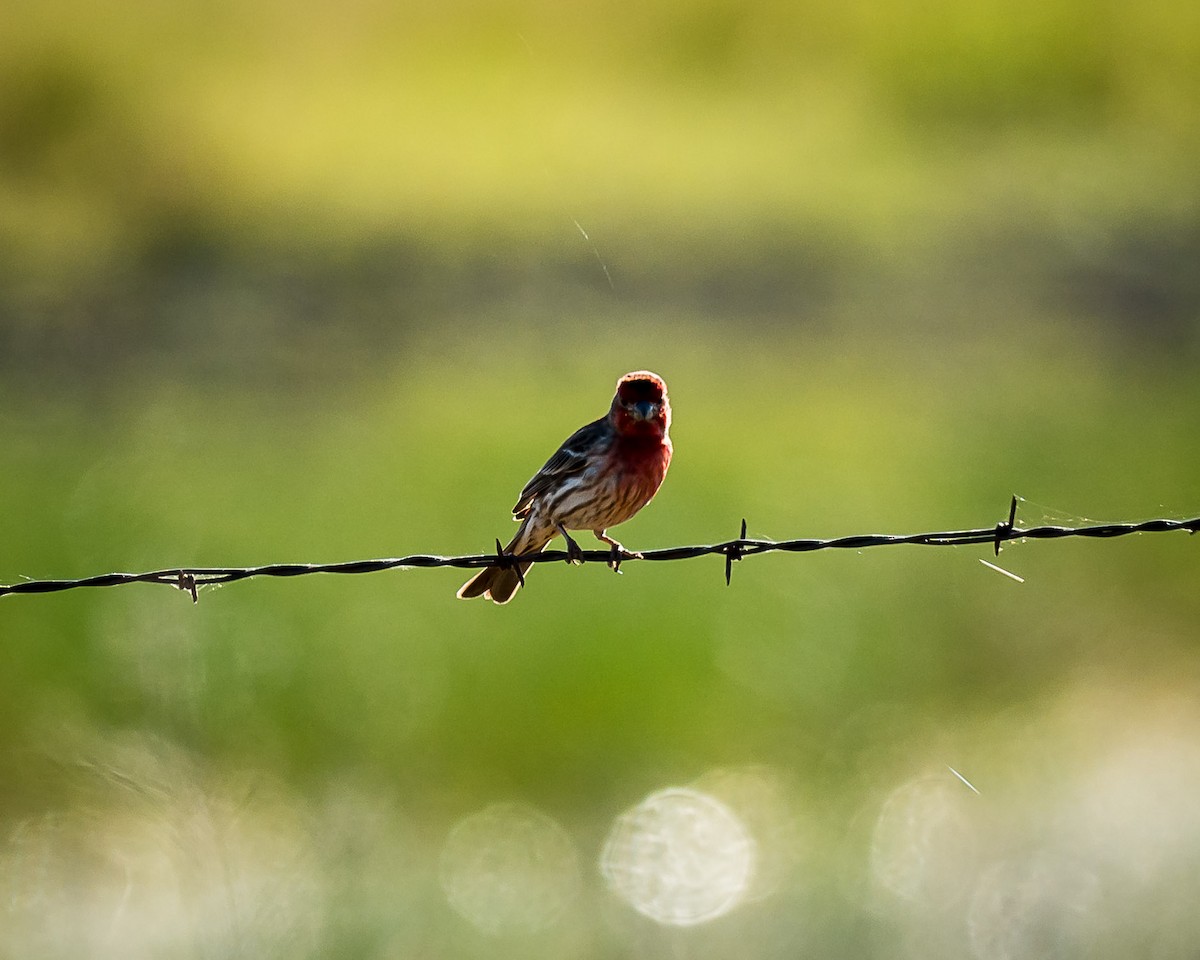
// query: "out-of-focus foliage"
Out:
[304,282]
[189,172]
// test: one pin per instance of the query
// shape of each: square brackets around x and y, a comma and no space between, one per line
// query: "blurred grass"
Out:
[284,282]
[143,126]
[844,670]
[407,464]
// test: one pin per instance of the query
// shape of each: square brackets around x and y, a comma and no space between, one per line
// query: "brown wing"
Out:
[571,458]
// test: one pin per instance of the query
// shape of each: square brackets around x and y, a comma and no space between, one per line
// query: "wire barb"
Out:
[509,562]
[733,551]
[190,579]
[187,583]
[1004,529]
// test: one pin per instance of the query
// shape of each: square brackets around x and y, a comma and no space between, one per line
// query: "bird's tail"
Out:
[499,583]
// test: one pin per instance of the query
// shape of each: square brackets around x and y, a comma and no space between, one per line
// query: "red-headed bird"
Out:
[602,475]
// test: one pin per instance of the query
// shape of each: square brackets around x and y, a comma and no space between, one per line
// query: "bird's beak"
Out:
[645,410]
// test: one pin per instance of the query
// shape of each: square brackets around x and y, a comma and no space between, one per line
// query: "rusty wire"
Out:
[190,579]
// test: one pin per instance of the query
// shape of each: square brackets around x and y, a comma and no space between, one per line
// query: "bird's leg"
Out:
[619,553]
[574,553]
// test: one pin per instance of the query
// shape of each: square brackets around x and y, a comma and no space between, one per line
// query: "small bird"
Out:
[601,476]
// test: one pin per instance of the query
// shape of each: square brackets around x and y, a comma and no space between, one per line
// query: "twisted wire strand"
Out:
[189,579]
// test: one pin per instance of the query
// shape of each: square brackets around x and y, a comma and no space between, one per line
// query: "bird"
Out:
[600,476]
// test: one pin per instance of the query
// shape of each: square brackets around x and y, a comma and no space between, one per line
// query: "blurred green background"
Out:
[306,282]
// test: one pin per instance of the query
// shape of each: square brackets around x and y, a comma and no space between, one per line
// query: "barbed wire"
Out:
[190,579]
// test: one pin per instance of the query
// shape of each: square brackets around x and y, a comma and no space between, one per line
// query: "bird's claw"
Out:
[619,553]
[574,552]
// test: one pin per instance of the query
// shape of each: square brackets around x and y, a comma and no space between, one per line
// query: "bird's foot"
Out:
[574,551]
[617,552]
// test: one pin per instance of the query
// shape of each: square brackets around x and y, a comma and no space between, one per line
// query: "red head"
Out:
[640,407]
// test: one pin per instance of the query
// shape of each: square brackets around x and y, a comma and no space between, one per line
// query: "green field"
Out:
[280,283]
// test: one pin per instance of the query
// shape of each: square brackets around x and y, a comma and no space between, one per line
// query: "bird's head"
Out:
[640,407]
